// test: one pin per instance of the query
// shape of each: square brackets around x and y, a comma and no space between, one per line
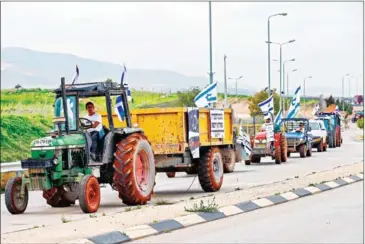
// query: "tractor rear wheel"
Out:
[89,194]
[284,148]
[302,150]
[210,170]
[134,165]
[278,154]
[171,174]
[229,159]
[13,201]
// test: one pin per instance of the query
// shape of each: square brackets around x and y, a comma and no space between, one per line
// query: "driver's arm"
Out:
[97,121]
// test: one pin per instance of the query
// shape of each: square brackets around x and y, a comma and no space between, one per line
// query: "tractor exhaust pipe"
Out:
[64,103]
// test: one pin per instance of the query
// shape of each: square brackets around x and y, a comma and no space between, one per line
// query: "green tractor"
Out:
[61,167]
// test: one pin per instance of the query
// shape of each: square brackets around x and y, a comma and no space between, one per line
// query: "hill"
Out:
[34,69]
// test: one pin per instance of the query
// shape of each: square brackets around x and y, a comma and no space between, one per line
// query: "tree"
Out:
[344,105]
[330,100]
[18,87]
[186,98]
[262,96]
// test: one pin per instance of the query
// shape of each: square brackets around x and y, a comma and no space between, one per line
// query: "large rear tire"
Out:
[229,159]
[210,170]
[13,201]
[89,194]
[302,150]
[284,148]
[134,165]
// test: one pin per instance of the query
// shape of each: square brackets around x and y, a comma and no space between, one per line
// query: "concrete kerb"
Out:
[165,226]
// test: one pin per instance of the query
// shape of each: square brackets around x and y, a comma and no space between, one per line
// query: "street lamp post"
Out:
[280,44]
[236,83]
[268,46]
[343,91]
[309,77]
[225,82]
[210,43]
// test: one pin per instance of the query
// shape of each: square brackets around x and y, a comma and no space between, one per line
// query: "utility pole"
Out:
[225,82]
[210,43]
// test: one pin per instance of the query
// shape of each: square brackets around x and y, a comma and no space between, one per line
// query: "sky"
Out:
[175,36]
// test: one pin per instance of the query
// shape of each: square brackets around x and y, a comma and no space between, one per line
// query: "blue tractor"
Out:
[298,138]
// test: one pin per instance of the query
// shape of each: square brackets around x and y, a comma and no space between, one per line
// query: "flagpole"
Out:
[210,43]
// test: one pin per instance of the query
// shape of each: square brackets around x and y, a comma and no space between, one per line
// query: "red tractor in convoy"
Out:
[270,141]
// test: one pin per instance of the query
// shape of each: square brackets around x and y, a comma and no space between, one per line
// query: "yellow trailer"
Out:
[192,140]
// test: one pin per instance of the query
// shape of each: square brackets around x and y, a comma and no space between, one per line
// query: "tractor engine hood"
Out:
[59,142]
[294,135]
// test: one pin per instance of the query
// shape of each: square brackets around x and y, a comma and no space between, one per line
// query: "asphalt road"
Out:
[176,189]
[334,216]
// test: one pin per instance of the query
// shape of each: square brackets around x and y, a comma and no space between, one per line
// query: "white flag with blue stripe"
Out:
[294,104]
[119,108]
[267,106]
[278,117]
[207,96]
[123,81]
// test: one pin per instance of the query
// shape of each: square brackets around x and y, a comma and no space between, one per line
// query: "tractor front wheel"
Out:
[15,203]
[302,150]
[229,160]
[284,148]
[210,170]
[134,165]
[89,194]
[278,154]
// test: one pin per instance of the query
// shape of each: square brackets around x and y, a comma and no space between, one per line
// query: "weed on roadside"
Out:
[35,227]
[192,198]
[311,184]
[163,202]
[238,189]
[296,177]
[64,220]
[93,216]
[104,214]
[128,209]
[210,206]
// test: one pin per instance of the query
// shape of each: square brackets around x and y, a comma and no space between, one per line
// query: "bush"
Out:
[186,98]
[360,123]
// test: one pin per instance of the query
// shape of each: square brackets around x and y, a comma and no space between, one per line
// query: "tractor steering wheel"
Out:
[87,124]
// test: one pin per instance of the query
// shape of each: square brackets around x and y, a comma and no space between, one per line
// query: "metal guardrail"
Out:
[11,167]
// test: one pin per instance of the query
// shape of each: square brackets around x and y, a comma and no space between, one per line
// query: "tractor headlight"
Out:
[257,141]
[55,161]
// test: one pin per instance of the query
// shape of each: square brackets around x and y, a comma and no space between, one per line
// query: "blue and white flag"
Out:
[207,96]
[267,106]
[294,104]
[123,81]
[76,76]
[119,108]
[278,117]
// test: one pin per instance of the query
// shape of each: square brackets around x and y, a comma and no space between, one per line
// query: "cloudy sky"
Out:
[175,36]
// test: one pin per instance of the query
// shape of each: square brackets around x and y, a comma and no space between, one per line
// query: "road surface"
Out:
[334,216]
[176,189]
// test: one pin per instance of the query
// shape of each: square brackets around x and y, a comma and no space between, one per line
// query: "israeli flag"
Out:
[207,96]
[294,104]
[267,106]
[278,117]
[123,81]
[119,108]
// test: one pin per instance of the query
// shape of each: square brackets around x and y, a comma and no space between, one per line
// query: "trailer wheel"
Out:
[284,148]
[13,201]
[255,159]
[210,170]
[302,150]
[171,174]
[134,166]
[229,159]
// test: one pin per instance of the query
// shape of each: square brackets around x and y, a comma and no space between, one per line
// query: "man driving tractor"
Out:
[301,127]
[96,129]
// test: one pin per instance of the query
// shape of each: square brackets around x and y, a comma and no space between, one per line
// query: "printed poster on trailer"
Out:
[217,123]
[194,139]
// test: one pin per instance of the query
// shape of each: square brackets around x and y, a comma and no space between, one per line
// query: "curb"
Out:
[165,226]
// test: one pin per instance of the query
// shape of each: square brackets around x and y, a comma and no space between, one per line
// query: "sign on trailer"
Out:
[217,123]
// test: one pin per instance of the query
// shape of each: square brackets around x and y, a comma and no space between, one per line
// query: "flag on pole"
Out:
[123,81]
[267,106]
[278,117]
[294,104]
[119,108]
[207,96]
[76,76]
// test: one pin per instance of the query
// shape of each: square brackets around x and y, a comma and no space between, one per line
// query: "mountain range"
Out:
[35,69]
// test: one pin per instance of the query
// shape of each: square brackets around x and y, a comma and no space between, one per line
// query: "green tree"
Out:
[259,97]
[344,105]
[186,98]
